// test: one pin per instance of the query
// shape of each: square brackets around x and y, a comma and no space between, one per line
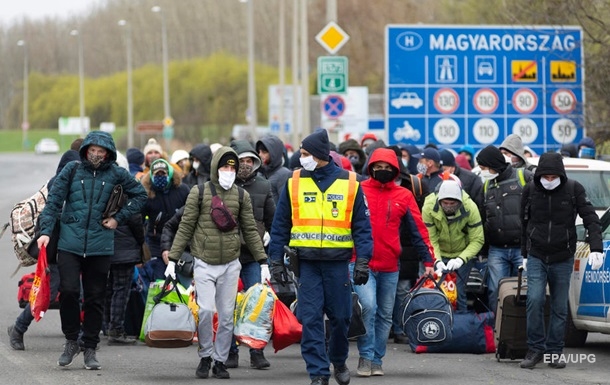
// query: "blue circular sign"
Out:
[334,106]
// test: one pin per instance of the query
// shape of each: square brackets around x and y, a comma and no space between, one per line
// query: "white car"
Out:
[47,146]
[407,99]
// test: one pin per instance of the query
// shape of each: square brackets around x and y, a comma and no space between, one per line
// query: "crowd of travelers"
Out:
[362,216]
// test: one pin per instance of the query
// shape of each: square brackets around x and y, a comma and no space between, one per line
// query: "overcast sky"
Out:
[15,10]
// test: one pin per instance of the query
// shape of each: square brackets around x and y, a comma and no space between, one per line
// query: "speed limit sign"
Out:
[563,131]
[525,101]
[486,101]
[563,101]
[527,129]
[446,101]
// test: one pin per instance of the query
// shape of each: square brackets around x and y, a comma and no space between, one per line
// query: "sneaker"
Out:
[364,367]
[531,359]
[91,362]
[220,370]
[557,364]
[203,370]
[258,360]
[71,350]
[233,360]
[15,338]
[376,370]
[319,381]
[115,338]
[342,375]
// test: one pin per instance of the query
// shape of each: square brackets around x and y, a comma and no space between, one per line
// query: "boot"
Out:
[258,360]
[15,338]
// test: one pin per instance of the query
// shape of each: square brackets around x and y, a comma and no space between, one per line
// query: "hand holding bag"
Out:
[116,202]
[186,265]
[40,295]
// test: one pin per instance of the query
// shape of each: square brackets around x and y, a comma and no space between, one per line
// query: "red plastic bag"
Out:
[40,295]
[448,284]
[286,328]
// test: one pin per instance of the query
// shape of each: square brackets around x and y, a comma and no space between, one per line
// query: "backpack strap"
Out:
[416,181]
[201,187]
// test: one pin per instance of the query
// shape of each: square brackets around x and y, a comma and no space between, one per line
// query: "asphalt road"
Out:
[22,174]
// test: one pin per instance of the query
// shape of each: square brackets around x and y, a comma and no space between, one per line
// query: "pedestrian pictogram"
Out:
[525,101]
[563,71]
[524,70]
[334,106]
[446,69]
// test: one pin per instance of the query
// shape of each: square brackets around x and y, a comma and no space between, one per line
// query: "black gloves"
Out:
[278,272]
[361,271]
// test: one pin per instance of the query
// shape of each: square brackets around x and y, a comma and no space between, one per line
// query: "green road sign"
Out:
[332,74]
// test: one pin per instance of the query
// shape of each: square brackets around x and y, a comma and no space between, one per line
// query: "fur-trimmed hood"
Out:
[147,180]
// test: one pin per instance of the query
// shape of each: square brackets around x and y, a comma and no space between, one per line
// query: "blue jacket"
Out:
[85,200]
[361,225]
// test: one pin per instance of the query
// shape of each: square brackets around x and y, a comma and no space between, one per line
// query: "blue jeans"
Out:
[25,318]
[557,275]
[402,288]
[377,300]
[462,277]
[501,263]
[324,288]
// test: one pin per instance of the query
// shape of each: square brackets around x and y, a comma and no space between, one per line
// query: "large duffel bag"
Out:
[170,325]
[427,316]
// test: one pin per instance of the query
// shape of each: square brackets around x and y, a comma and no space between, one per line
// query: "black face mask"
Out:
[384,176]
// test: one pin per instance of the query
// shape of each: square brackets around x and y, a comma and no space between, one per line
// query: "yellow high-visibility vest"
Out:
[322,220]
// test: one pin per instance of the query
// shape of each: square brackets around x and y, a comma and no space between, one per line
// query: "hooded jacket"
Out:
[391,206]
[548,217]
[259,189]
[514,145]
[275,171]
[85,200]
[352,144]
[462,237]
[202,174]
[207,242]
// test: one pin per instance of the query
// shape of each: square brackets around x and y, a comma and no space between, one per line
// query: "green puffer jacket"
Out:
[207,242]
[85,200]
[462,238]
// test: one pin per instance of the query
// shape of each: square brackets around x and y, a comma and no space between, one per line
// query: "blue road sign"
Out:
[457,85]
[334,106]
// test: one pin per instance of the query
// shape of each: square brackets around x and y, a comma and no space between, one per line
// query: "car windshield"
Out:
[597,184]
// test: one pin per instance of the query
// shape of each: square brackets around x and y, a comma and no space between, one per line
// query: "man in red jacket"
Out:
[391,207]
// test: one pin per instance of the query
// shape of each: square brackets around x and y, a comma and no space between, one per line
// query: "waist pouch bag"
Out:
[221,215]
[169,325]
[426,314]
[185,265]
[471,333]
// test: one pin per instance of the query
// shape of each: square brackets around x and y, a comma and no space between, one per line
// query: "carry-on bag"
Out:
[170,325]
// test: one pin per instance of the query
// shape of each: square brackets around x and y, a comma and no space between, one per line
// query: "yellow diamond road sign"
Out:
[332,37]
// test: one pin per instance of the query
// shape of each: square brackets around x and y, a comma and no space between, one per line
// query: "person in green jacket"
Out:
[216,252]
[456,233]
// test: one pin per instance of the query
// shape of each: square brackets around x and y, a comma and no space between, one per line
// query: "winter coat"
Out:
[514,145]
[128,240]
[259,189]
[275,171]
[323,177]
[208,243]
[472,184]
[162,205]
[391,206]
[502,222]
[462,237]
[548,217]
[85,200]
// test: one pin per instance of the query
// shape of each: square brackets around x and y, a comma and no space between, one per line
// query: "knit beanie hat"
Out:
[152,145]
[229,158]
[317,144]
[492,157]
[135,156]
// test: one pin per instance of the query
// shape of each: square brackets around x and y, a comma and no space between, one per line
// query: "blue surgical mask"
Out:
[160,182]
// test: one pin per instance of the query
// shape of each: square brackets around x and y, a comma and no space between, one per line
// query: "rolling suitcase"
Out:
[510,332]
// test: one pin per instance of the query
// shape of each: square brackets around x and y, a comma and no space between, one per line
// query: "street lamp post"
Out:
[25,125]
[253,122]
[166,108]
[81,81]
[130,140]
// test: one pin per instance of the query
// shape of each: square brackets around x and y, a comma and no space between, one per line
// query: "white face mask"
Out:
[508,159]
[196,165]
[308,163]
[487,175]
[550,185]
[226,179]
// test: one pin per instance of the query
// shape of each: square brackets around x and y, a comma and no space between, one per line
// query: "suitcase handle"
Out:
[518,300]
